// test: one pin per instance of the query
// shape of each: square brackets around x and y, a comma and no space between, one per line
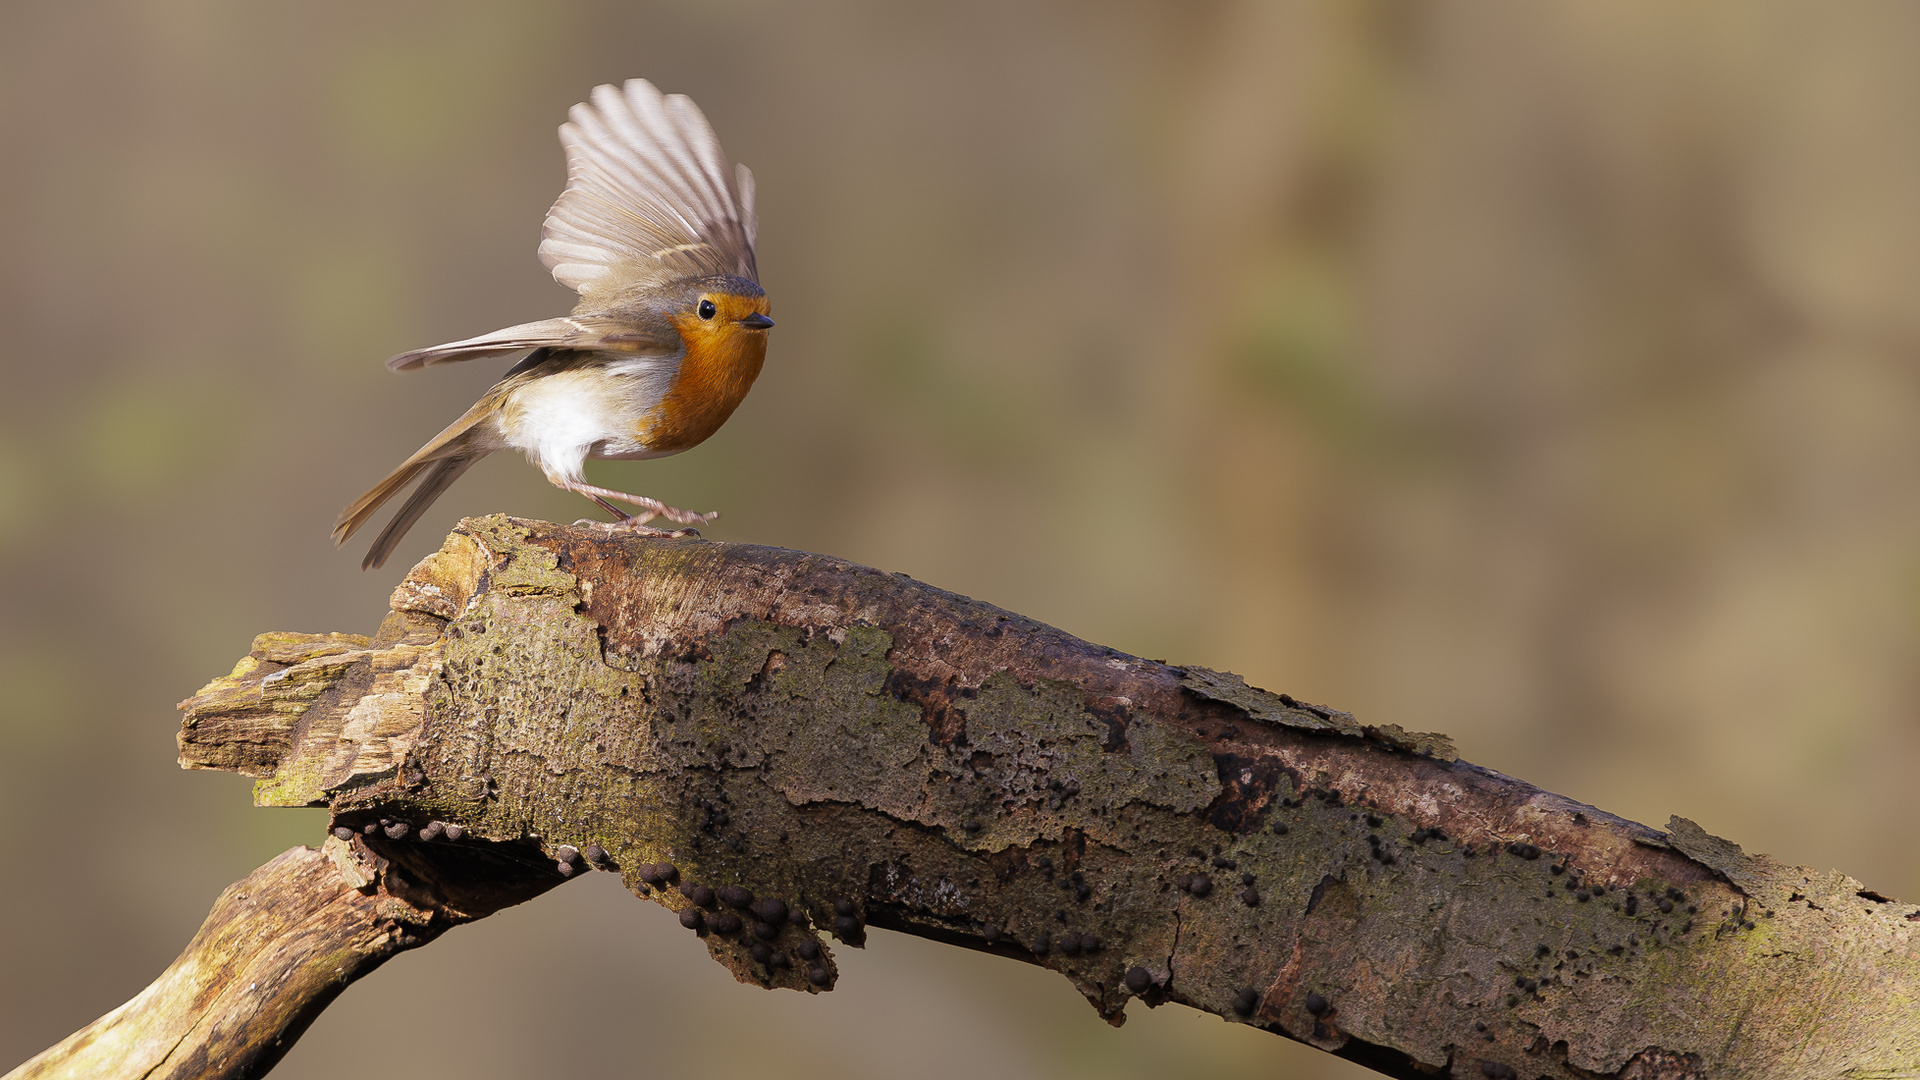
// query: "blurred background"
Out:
[1541,374]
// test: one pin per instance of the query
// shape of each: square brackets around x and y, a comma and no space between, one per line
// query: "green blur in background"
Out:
[1544,374]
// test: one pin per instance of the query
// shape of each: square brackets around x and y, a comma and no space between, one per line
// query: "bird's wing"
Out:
[649,199]
[577,332]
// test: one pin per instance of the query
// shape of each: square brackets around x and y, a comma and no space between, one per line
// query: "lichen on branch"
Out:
[787,749]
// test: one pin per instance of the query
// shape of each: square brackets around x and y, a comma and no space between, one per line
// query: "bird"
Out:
[656,233]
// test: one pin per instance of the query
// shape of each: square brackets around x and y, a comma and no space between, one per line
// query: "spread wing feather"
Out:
[577,332]
[649,196]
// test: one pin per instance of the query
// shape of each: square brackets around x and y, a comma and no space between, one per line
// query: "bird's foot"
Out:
[637,526]
[649,508]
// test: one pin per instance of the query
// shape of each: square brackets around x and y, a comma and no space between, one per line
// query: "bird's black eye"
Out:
[707,309]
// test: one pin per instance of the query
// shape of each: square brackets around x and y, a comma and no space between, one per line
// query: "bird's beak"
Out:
[756,321]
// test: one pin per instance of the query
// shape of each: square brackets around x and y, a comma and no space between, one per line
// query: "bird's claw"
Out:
[635,526]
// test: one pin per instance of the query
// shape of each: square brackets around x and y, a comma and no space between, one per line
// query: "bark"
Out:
[786,748]
[279,945]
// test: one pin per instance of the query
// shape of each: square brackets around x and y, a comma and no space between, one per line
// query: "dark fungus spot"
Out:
[432,831]
[808,949]
[845,907]
[700,894]
[1523,850]
[565,868]
[765,931]
[596,854]
[1245,1000]
[1666,906]
[990,932]
[455,832]
[780,960]
[1138,979]
[1069,944]
[1250,896]
[1247,878]
[1633,904]
[760,951]
[817,975]
[771,910]
[567,853]
[1042,944]
[1497,1070]
[1316,1004]
[693,920]
[651,874]
[734,896]
[1280,828]
[846,927]
[398,830]
[799,918]
[1199,884]
[1373,821]
[370,828]
[725,922]
[1419,836]
[341,832]
[1223,863]
[1557,869]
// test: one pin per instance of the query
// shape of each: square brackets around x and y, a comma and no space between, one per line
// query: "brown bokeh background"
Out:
[1539,373]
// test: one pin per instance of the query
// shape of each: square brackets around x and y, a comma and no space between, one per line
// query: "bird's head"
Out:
[721,312]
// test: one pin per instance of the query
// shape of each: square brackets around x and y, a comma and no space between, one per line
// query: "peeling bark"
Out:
[781,746]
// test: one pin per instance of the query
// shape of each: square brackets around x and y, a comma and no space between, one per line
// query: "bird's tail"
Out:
[449,454]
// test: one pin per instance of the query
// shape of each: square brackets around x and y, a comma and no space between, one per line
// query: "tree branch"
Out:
[773,743]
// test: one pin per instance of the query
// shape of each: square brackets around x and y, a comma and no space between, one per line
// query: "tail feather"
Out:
[444,473]
[443,459]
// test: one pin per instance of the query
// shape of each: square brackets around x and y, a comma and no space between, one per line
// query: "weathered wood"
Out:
[729,726]
[276,949]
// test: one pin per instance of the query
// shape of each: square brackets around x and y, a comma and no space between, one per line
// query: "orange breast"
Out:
[715,375]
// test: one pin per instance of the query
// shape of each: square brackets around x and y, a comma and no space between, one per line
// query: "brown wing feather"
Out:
[585,332]
[650,197]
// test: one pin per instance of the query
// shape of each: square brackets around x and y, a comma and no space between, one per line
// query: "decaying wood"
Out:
[280,944]
[786,748]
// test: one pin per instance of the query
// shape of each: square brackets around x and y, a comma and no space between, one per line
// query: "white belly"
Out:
[562,419]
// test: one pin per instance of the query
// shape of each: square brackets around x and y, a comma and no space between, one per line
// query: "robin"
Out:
[656,235]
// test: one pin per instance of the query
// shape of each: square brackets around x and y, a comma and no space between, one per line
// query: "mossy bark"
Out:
[781,745]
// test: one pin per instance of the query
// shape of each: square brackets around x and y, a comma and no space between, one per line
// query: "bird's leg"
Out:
[649,509]
[619,514]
